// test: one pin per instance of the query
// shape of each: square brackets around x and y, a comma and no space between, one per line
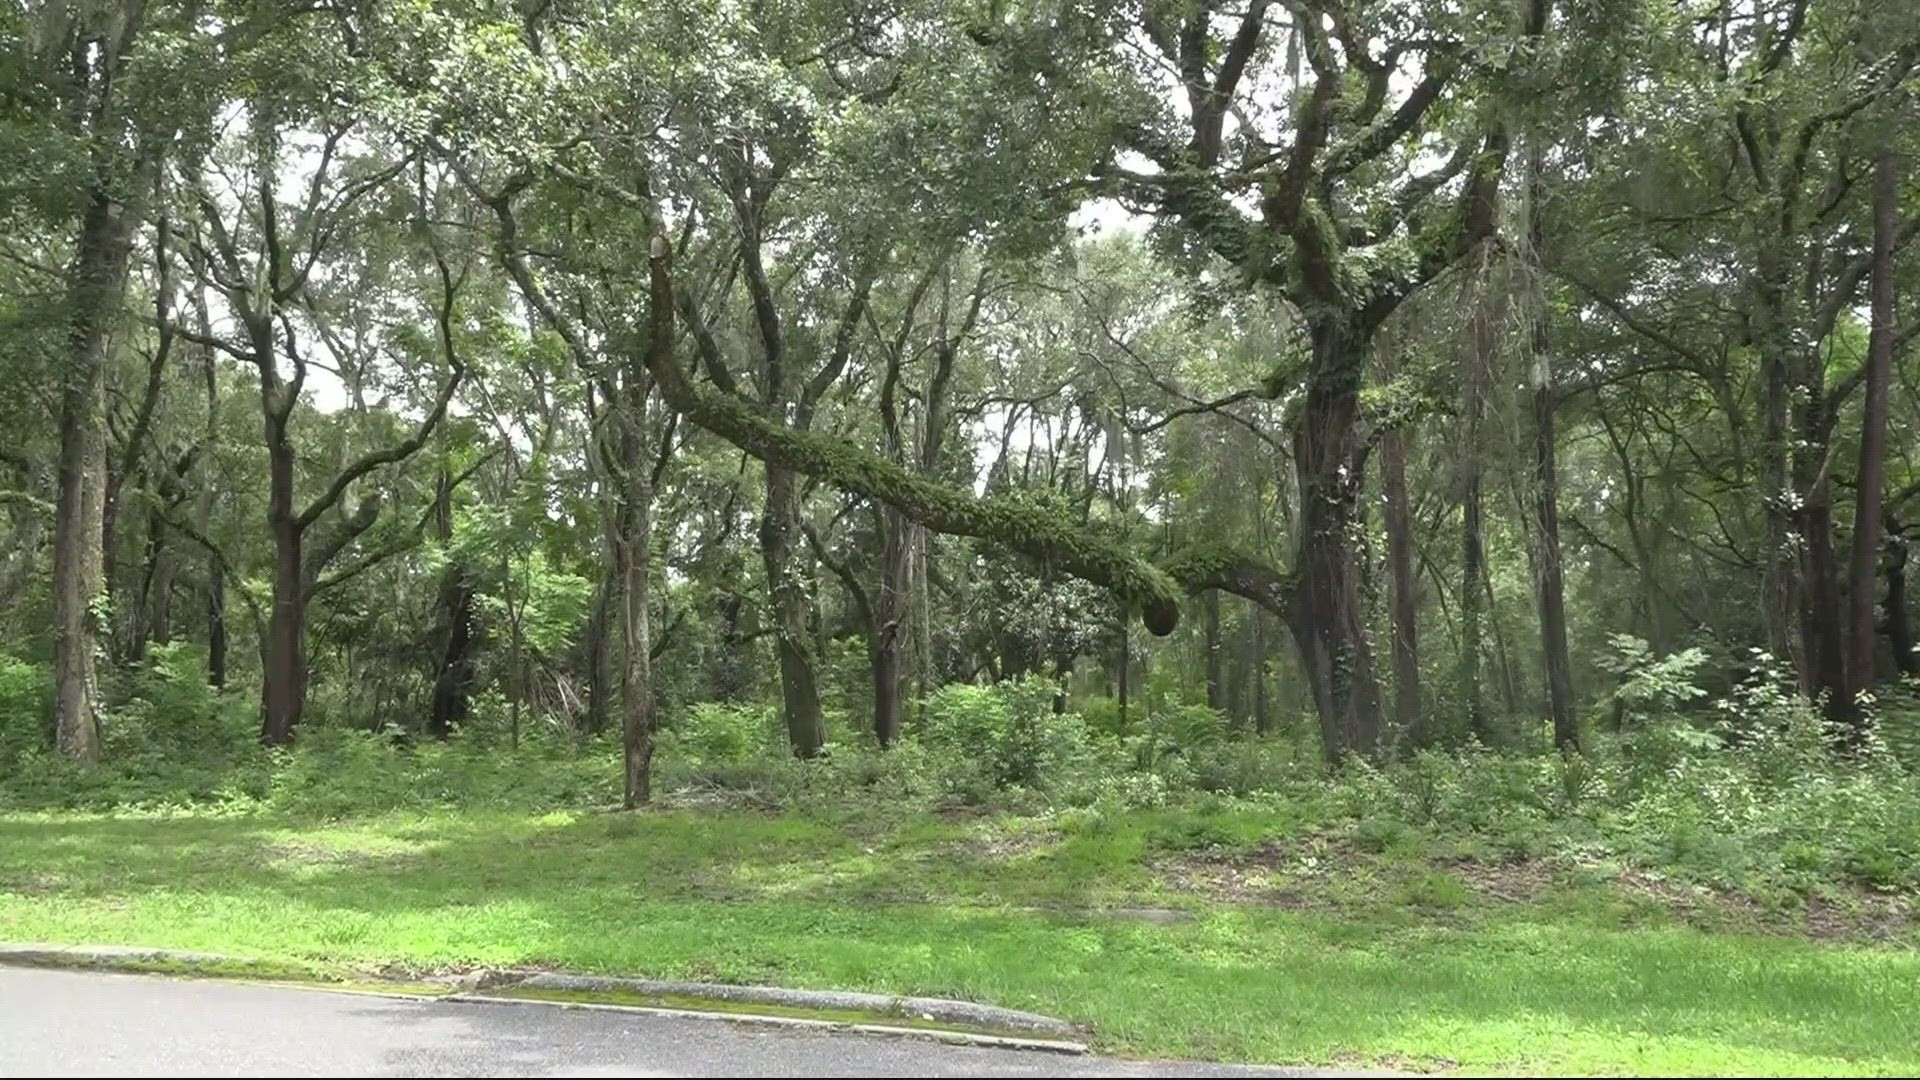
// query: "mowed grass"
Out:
[1408,966]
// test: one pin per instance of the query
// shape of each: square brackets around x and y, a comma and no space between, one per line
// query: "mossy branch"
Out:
[1200,567]
[1012,520]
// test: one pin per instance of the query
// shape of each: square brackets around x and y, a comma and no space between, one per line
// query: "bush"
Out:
[715,731]
[25,706]
[1009,728]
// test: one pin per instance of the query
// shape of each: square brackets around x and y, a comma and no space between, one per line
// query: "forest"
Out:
[1405,461]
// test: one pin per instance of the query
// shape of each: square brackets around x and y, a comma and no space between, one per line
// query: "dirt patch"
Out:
[1277,873]
[1329,873]
[1002,847]
[33,885]
[1515,881]
[301,853]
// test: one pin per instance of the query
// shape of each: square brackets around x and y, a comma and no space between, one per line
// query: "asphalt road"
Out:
[66,1023]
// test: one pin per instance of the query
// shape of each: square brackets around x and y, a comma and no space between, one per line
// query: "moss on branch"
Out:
[1017,522]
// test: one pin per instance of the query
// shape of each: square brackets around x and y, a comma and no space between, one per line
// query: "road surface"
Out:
[69,1023]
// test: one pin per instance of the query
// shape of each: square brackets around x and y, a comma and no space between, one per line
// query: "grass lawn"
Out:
[1285,949]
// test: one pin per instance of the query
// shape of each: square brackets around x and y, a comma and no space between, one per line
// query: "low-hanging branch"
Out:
[1021,524]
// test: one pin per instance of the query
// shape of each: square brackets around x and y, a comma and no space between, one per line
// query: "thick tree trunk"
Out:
[1328,619]
[97,283]
[787,588]
[283,693]
[1406,600]
[1873,437]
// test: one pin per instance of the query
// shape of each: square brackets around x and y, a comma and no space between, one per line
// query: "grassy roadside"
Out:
[1285,948]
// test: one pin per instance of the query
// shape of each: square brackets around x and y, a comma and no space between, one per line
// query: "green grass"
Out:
[1368,960]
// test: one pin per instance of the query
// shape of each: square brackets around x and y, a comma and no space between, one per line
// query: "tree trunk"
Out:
[152,624]
[216,573]
[1328,619]
[636,636]
[1552,595]
[453,672]
[1406,599]
[1779,585]
[598,635]
[1822,623]
[1261,721]
[1899,629]
[1873,436]
[283,693]
[1216,673]
[891,623]
[787,587]
[1476,364]
[1555,655]
[98,281]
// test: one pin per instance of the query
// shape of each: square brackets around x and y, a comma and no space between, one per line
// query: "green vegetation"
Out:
[1354,959]
[1670,905]
[1339,530]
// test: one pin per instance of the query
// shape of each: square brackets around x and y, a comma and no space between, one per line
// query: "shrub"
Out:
[25,705]
[715,731]
[1009,728]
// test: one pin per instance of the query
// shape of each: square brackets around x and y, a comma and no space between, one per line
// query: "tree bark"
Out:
[96,286]
[636,638]
[1476,367]
[891,625]
[1261,721]
[598,633]
[1327,617]
[787,589]
[453,670]
[1555,655]
[1216,672]
[1899,628]
[283,688]
[1873,437]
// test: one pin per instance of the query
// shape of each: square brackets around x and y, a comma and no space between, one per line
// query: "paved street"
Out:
[65,1023]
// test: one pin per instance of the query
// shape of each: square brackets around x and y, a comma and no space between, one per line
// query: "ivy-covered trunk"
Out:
[1328,618]
[99,277]
[787,588]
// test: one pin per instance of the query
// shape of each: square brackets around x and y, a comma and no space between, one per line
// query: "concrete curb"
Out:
[1023,1030]
[35,954]
[943,1035]
[938,1010]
